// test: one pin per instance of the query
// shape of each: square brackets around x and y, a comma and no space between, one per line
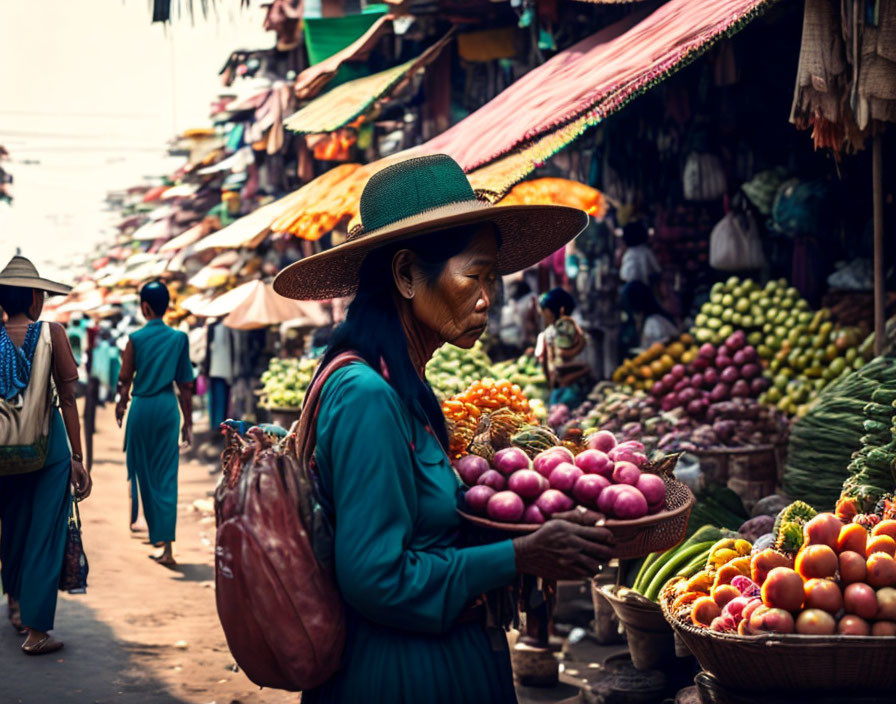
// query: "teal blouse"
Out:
[161,357]
[398,565]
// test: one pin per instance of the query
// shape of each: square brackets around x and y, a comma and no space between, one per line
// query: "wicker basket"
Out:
[651,642]
[635,538]
[784,663]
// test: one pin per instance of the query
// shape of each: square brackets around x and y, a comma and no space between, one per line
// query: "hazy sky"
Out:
[90,93]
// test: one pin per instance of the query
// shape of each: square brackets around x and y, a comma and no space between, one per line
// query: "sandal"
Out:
[47,644]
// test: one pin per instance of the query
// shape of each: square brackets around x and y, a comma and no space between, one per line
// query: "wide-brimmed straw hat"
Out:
[21,272]
[420,196]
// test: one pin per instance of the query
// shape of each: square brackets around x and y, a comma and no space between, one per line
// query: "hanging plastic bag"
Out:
[734,244]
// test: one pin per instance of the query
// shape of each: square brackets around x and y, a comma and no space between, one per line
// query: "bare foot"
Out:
[40,643]
[15,617]
[138,526]
[167,556]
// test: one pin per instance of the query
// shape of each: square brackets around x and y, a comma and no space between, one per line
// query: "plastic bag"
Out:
[734,244]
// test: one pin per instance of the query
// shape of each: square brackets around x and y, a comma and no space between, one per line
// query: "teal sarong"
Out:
[161,358]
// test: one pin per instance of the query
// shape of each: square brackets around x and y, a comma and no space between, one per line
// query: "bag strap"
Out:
[305,428]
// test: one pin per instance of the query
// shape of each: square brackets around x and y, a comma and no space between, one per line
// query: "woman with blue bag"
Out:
[40,453]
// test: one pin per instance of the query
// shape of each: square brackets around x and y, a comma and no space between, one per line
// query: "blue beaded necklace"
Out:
[15,362]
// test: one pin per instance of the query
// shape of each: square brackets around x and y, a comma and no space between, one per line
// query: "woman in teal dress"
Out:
[416,623]
[155,359]
[35,506]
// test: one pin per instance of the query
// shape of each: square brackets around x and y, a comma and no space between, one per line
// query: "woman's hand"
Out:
[80,480]
[120,409]
[561,549]
[186,435]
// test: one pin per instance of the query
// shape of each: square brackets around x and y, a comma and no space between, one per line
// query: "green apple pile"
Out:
[452,369]
[526,372]
[285,382]
[766,314]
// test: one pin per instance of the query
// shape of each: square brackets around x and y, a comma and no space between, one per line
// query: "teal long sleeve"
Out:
[393,495]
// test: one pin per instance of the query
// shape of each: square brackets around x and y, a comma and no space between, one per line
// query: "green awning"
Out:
[346,102]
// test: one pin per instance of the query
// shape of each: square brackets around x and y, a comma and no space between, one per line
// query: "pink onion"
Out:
[510,459]
[653,488]
[564,476]
[492,478]
[626,473]
[527,483]
[595,462]
[505,506]
[553,501]
[477,498]
[607,498]
[533,514]
[588,488]
[604,440]
[470,468]
[545,462]
[629,503]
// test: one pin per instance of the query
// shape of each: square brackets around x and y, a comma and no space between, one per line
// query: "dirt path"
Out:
[142,633]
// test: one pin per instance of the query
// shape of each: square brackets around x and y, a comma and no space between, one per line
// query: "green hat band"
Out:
[412,187]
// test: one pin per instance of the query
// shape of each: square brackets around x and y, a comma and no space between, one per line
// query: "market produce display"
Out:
[823,441]
[485,416]
[731,370]
[739,423]
[285,382]
[804,350]
[610,477]
[526,372]
[648,367]
[452,369]
[684,560]
[823,576]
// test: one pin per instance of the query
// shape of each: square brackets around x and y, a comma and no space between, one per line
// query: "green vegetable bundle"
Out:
[685,559]
[823,441]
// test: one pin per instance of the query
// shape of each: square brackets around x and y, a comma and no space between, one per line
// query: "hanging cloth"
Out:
[15,362]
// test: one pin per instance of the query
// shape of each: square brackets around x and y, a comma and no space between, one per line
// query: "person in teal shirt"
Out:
[155,360]
[35,506]
[418,629]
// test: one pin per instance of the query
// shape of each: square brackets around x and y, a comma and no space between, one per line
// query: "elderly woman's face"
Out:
[456,305]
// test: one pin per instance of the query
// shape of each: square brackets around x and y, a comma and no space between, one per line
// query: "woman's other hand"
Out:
[186,435]
[562,549]
[120,409]
[81,480]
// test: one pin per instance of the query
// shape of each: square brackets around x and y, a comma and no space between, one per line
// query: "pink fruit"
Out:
[653,488]
[477,498]
[526,482]
[678,371]
[470,468]
[553,501]
[588,488]
[510,459]
[545,462]
[532,515]
[603,440]
[626,473]
[707,351]
[505,506]
[564,476]
[492,478]
[628,503]
[595,462]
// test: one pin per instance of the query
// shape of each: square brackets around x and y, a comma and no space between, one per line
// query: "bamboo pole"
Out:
[879,292]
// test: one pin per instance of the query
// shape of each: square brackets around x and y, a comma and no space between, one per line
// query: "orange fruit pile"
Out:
[483,396]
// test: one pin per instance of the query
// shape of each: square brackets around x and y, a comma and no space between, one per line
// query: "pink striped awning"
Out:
[595,77]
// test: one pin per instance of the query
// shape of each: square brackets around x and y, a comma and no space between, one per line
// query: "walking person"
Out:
[155,360]
[423,265]
[35,503]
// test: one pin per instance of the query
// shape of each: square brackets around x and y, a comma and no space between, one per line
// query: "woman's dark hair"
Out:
[155,295]
[637,297]
[559,301]
[635,233]
[15,300]
[372,327]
